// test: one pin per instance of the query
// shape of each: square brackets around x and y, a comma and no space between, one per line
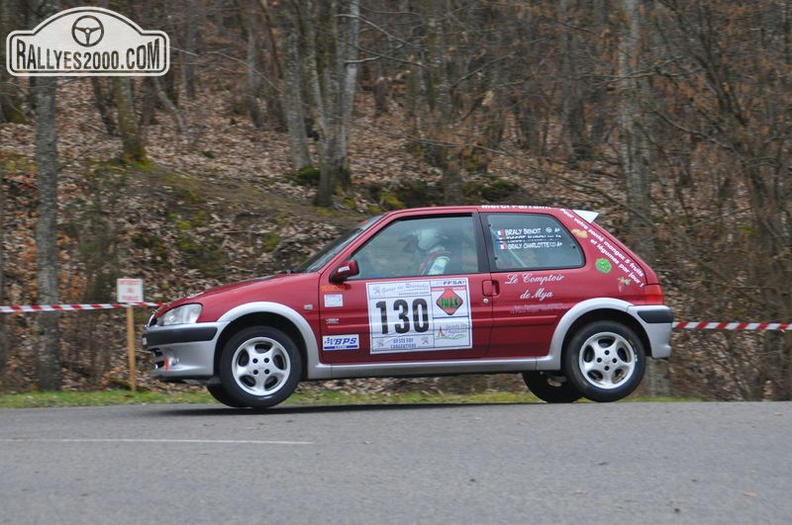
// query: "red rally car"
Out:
[544,292]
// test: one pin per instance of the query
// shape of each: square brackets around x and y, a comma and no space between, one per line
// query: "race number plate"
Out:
[419,315]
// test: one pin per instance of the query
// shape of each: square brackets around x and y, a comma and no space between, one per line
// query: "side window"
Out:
[414,247]
[523,241]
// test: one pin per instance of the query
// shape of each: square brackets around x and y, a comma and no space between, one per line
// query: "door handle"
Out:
[490,288]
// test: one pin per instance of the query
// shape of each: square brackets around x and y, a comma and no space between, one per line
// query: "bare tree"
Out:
[330,59]
[191,47]
[726,99]
[3,333]
[251,26]
[633,119]
[11,109]
[292,86]
[133,150]
[47,333]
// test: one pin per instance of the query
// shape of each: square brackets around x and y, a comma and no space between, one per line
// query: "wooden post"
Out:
[131,348]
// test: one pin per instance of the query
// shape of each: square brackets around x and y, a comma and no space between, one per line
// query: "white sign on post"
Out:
[129,290]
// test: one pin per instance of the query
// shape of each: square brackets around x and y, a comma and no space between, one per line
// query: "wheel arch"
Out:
[608,315]
[586,312]
[273,315]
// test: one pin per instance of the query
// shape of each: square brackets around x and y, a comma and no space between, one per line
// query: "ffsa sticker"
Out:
[419,315]
[341,342]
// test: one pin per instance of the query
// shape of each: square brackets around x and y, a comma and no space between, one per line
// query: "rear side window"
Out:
[531,241]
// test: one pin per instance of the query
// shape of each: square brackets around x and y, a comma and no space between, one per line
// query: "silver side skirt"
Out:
[428,368]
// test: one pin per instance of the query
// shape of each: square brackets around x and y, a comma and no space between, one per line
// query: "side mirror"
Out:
[345,271]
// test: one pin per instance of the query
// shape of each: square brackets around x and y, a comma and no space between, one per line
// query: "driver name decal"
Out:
[419,315]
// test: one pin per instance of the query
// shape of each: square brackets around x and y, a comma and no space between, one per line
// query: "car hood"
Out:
[228,290]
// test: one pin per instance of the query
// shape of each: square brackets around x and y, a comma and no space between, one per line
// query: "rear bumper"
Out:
[657,322]
[183,351]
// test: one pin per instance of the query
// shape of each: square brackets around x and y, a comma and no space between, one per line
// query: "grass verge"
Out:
[312,398]
[125,397]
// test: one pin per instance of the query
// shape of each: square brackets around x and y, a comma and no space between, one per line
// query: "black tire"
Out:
[219,393]
[605,361]
[260,367]
[551,387]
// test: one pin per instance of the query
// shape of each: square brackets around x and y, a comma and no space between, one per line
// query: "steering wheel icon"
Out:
[87,31]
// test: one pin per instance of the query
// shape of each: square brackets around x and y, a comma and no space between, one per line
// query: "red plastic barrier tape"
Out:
[68,307]
[732,326]
[682,325]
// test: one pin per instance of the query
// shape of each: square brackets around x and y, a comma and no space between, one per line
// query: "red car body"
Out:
[545,292]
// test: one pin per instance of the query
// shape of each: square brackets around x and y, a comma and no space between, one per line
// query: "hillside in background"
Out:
[672,121]
[220,207]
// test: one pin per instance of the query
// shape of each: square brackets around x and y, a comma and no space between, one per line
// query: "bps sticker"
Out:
[341,342]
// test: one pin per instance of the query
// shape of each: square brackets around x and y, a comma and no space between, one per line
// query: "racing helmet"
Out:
[426,238]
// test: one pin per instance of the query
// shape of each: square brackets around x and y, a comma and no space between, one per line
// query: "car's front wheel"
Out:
[260,367]
[219,393]
[551,387]
[605,361]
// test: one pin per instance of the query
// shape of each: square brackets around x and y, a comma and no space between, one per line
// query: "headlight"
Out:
[185,314]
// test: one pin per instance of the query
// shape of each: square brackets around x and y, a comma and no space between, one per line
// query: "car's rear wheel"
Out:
[551,387]
[605,361]
[260,367]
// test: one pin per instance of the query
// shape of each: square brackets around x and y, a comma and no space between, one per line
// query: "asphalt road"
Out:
[620,463]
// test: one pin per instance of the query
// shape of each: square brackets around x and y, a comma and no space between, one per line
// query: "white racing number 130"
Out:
[419,315]
[417,312]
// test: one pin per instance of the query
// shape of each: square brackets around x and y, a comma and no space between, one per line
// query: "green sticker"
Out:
[604,265]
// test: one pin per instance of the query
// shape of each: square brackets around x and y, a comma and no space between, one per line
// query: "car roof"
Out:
[588,216]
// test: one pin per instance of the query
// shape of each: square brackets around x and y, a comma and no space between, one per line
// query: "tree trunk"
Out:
[315,89]
[634,156]
[441,106]
[3,336]
[48,370]
[11,109]
[291,92]
[253,79]
[101,105]
[190,43]
[133,152]
[273,102]
[251,28]
[347,66]
[331,83]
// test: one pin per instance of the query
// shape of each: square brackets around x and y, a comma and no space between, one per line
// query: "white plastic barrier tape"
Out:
[69,307]
[732,326]
[680,325]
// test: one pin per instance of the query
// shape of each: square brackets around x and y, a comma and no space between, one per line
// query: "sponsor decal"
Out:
[333,300]
[87,41]
[449,301]
[540,307]
[603,265]
[529,238]
[533,278]
[419,315]
[540,294]
[341,342]
[611,255]
[334,287]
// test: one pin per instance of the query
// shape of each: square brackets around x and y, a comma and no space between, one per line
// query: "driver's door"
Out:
[389,312]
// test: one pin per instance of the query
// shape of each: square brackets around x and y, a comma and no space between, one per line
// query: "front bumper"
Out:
[182,352]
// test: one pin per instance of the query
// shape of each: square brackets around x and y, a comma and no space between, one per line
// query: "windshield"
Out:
[320,258]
